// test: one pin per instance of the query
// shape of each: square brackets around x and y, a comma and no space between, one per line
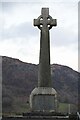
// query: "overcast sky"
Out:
[20,39]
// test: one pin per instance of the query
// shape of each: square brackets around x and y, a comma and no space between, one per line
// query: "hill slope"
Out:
[19,79]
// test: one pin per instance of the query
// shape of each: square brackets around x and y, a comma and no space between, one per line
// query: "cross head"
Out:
[45,20]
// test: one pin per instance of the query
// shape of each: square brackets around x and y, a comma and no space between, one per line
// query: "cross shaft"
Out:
[44,22]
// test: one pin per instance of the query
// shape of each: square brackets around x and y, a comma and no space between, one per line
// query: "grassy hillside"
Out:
[20,78]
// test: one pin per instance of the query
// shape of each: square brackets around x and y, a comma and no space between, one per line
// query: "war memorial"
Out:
[43,99]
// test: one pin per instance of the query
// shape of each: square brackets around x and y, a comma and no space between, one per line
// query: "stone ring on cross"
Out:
[45,21]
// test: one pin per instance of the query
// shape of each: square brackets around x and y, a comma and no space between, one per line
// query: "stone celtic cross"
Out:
[44,22]
[44,97]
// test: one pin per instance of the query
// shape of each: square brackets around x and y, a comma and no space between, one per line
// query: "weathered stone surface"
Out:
[44,98]
[35,118]
[43,116]
[44,22]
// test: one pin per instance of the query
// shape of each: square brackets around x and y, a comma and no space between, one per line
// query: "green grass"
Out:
[20,105]
[65,107]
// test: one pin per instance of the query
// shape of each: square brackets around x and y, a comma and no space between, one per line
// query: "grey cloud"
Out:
[24,30]
[8,6]
[62,37]
[59,36]
[0,6]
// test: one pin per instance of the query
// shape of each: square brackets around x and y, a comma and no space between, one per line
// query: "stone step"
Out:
[41,116]
[36,118]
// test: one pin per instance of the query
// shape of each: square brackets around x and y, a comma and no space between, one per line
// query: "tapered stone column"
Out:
[43,98]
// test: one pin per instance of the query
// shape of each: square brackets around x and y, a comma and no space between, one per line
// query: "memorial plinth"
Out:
[44,97]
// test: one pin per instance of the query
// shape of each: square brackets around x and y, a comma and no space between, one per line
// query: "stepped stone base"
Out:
[43,99]
[34,118]
[43,116]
